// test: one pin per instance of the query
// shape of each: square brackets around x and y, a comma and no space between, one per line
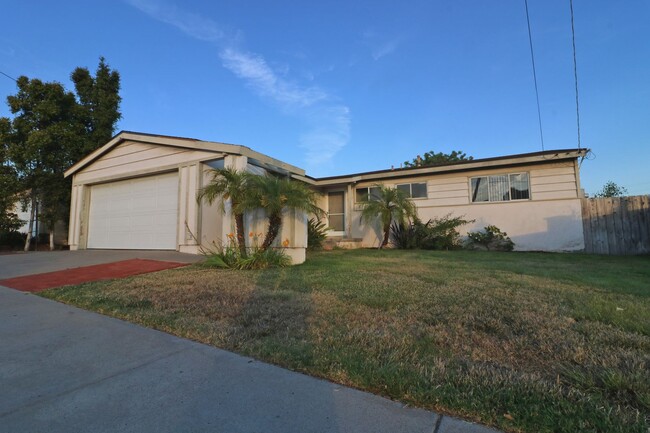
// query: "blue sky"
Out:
[339,87]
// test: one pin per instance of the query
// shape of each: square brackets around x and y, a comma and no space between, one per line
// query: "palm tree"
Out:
[275,195]
[231,184]
[389,204]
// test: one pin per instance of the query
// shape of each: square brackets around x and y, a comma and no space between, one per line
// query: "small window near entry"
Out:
[414,190]
[367,193]
[503,187]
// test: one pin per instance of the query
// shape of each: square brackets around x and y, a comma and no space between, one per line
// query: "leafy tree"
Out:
[229,184]
[9,188]
[432,158]
[38,140]
[99,105]
[611,189]
[276,195]
[388,204]
[51,130]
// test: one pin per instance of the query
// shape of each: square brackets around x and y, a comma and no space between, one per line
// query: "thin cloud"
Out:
[328,122]
[329,133]
[379,46]
[256,72]
[192,24]
[384,49]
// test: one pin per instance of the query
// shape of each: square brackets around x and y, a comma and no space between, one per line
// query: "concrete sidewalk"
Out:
[63,369]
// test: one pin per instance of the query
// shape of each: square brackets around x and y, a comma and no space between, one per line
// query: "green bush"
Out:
[316,234]
[12,239]
[230,257]
[435,234]
[491,238]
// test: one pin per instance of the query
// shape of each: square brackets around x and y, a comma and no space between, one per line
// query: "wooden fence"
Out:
[617,225]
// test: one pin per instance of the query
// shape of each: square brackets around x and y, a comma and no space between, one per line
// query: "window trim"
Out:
[367,188]
[487,176]
[410,184]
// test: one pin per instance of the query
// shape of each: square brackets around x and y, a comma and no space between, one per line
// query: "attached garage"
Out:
[139,191]
[139,213]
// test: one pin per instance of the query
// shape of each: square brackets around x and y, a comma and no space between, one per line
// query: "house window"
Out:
[503,187]
[414,190]
[367,193]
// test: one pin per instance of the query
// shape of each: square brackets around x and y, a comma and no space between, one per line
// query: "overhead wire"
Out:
[575,72]
[532,57]
[8,76]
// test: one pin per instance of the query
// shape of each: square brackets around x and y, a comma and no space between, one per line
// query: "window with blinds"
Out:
[503,187]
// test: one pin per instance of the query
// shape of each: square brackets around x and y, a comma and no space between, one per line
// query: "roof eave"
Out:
[477,164]
[188,143]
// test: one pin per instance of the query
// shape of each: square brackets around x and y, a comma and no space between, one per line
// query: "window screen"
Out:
[414,190]
[504,187]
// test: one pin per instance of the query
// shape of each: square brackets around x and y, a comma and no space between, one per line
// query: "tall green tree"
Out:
[611,189]
[388,205]
[51,129]
[99,105]
[432,158]
[229,184]
[277,195]
[9,187]
[38,140]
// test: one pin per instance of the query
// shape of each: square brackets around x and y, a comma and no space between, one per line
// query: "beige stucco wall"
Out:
[550,221]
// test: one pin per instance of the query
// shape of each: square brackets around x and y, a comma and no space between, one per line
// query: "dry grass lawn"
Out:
[526,342]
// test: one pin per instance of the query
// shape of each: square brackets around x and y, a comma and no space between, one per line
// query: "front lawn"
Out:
[527,342]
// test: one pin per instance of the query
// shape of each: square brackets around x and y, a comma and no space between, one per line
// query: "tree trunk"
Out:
[241,240]
[275,223]
[386,235]
[32,213]
[52,239]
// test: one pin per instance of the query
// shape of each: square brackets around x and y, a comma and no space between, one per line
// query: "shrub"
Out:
[404,236]
[262,259]
[229,256]
[435,234]
[12,239]
[316,234]
[491,238]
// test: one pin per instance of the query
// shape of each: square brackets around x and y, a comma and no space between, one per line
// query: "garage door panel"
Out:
[138,213]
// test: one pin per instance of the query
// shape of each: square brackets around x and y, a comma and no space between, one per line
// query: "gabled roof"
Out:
[298,173]
[187,143]
[474,164]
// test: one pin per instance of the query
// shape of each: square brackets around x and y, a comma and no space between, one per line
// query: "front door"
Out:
[336,213]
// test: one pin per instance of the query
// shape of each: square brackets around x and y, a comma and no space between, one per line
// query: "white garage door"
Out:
[134,214]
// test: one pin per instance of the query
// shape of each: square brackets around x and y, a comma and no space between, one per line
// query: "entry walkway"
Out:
[63,369]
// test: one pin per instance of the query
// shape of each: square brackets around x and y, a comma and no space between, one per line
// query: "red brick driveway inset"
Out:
[107,271]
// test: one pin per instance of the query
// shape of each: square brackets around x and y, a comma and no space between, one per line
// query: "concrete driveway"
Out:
[63,369]
[19,264]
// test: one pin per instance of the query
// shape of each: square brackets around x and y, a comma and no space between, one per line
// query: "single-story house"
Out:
[139,191]
[39,227]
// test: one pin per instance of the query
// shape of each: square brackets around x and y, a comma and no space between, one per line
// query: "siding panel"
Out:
[141,162]
[565,186]
[449,187]
[553,171]
[553,195]
[544,180]
[449,194]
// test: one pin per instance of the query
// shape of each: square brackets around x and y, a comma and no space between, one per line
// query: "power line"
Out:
[575,71]
[11,78]
[532,57]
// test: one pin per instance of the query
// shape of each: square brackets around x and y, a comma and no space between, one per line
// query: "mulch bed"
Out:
[107,271]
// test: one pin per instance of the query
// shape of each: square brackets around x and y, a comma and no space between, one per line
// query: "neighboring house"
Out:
[139,192]
[38,226]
